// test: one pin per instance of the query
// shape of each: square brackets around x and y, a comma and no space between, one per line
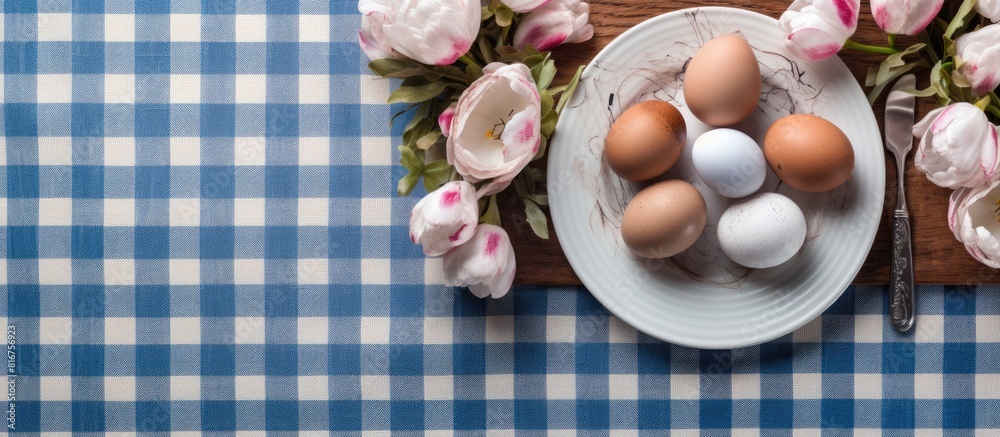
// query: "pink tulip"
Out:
[972,218]
[524,5]
[978,58]
[958,146]
[496,129]
[555,23]
[436,32]
[989,9]
[445,218]
[817,29]
[906,17]
[445,119]
[485,263]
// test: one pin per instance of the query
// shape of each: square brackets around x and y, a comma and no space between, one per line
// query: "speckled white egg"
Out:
[762,231]
[729,162]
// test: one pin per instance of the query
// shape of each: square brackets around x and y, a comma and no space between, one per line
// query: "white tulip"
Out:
[371,38]
[905,17]
[485,263]
[958,146]
[496,130]
[978,58]
[817,29]
[555,23]
[445,218]
[972,217]
[989,9]
[524,5]
[436,32]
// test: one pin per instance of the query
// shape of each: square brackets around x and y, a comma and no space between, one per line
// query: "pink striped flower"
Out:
[906,17]
[817,29]
[436,32]
[972,218]
[555,23]
[445,218]
[524,5]
[978,58]
[485,263]
[958,146]
[496,129]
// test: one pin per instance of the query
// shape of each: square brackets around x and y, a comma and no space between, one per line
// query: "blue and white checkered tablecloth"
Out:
[201,235]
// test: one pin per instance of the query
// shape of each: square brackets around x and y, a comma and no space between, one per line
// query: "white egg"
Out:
[762,231]
[729,162]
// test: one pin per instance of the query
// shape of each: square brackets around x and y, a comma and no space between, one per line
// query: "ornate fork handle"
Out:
[901,305]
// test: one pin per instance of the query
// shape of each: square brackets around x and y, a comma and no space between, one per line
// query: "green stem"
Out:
[992,109]
[993,95]
[892,41]
[869,48]
[467,60]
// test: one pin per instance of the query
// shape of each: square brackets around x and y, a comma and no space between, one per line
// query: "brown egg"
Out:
[664,219]
[808,152]
[645,141]
[722,81]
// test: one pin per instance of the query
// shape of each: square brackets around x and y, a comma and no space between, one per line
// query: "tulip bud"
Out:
[971,216]
[905,17]
[978,58]
[958,146]
[555,23]
[445,218]
[817,29]
[485,263]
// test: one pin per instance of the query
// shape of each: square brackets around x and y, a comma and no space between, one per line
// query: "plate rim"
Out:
[767,335]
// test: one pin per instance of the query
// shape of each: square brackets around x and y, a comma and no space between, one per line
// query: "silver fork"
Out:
[899,140]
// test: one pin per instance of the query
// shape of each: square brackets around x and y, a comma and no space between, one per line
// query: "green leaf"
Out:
[487,13]
[408,158]
[432,183]
[416,94]
[547,74]
[492,214]
[427,140]
[888,69]
[439,169]
[418,130]
[961,17]
[531,61]
[473,72]
[537,219]
[547,101]
[540,199]
[504,15]
[543,143]
[529,179]
[896,72]
[549,121]
[407,184]
[570,89]
[486,50]
[388,66]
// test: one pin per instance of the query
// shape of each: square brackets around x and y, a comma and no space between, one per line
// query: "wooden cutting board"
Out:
[938,257]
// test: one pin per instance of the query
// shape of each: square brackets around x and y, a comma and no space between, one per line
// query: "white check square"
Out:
[249,330]
[251,28]
[119,151]
[248,212]
[55,26]
[185,388]
[119,88]
[55,388]
[119,271]
[314,89]
[119,27]
[55,271]
[185,27]
[55,151]
[185,272]
[376,211]
[55,88]
[55,330]
[250,88]
[185,88]
[119,388]
[119,330]
[185,151]
[314,388]
[250,387]
[314,211]
[439,387]
[185,330]
[249,151]
[314,28]
[185,211]
[55,211]
[314,151]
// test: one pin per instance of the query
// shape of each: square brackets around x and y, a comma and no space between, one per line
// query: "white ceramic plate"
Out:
[700,298]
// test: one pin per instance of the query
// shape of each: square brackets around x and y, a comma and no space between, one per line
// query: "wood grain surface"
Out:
[938,257]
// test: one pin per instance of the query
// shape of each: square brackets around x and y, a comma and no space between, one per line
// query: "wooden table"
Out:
[938,257]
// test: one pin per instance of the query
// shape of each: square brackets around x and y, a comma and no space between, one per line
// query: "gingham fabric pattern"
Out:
[201,236]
